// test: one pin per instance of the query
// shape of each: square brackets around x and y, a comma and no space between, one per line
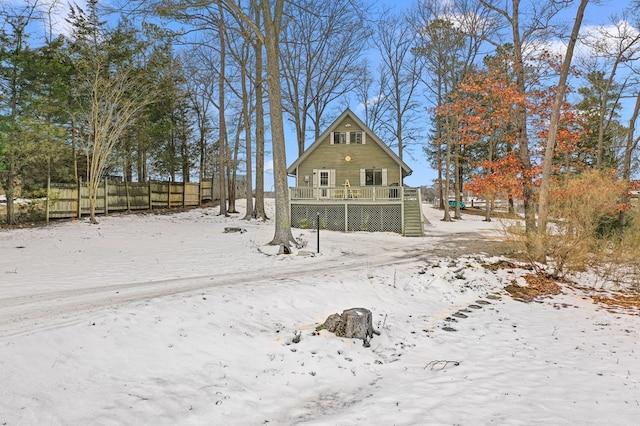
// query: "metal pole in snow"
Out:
[318,230]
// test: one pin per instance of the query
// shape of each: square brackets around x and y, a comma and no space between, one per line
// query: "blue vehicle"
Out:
[452,204]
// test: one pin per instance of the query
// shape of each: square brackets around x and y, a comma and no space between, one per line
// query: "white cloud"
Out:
[594,41]
[605,40]
[371,102]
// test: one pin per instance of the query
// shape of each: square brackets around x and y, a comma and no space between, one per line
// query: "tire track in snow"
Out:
[48,310]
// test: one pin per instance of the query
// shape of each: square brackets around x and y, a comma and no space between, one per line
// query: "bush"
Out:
[585,231]
[616,258]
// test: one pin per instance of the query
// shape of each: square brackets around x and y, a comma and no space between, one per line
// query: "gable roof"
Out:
[370,137]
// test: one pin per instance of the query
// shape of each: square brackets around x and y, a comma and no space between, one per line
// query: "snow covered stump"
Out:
[354,323]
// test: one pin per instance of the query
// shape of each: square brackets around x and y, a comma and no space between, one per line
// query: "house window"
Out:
[324,178]
[339,138]
[355,138]
[373,177]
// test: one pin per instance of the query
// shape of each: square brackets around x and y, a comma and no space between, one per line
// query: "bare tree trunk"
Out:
[487,210]
[632,143]
[259,207]
[601,115]
[457,181]
[248,182]
[553,127]
[233,172]
[10,192]
[447,171]
[272,25]
[222,152]
[184,148]
[74,148]
[521,112]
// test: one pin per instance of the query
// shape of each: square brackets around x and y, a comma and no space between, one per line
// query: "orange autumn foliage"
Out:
[504,177]
[483,104]
[484,108]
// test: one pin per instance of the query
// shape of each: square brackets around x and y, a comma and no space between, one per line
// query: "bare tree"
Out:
[616,45]
[322,45]
[522,35]
[116,99]
[242,53]
[222,134]
[260,133]
[553,124]
[395,41]
[269,35]
[448,42]
[200,90]
[369,95]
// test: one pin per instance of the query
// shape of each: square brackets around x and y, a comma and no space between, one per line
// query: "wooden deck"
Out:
[359,208]
[381,194]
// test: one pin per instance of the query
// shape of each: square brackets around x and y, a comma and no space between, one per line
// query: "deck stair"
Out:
[412,219]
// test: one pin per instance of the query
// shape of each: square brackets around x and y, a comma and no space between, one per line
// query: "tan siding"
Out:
[365,156]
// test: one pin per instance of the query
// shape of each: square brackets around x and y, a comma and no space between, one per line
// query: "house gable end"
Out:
[346,125]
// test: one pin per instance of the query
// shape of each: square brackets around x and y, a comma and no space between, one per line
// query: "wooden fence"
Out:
[71,200]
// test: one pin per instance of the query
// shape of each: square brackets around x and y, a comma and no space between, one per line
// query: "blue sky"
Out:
[423,173]
[597,13]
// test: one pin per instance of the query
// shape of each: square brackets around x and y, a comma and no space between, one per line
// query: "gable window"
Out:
[339,138]
[355,138]
[373,177]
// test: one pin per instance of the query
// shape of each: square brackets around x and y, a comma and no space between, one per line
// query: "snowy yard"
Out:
[167,320]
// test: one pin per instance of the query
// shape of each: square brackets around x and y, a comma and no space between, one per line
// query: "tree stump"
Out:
[234,229]
[354,323]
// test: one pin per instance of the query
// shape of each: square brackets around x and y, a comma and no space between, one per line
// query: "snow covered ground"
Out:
[167,320]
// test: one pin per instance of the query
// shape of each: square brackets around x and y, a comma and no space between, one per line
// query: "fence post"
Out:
[184,193]
[126,190]
[169,194]
[106,197]
[150,197]
[47,207]
[79,205]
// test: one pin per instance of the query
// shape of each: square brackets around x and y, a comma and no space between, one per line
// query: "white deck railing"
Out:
[364,193]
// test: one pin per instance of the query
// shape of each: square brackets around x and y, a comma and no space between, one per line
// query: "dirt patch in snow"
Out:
[538,286]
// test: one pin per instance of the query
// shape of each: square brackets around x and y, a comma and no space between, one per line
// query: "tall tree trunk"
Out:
[487,210]
[521,123]
[222,152]
[184,148]
[447,170]
[272,25]
[10,192]
[456,181]
[246,116]
[233,171]
[601,117]
[260,132]
[554,120]
[632,143]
